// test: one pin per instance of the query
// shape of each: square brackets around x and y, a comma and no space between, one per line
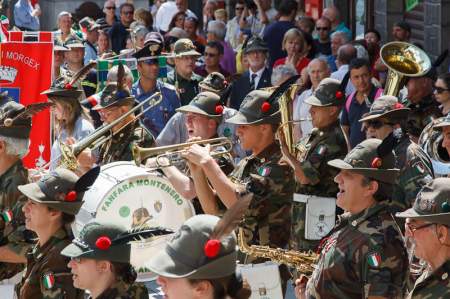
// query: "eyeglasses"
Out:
[239,8]
[210,54]
[110,7]
[76,259]
[440,89]
[322,28]
[413,229]
[376,124]
[107,111]
[130,12]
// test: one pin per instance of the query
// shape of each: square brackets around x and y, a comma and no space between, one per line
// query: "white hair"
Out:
[319,59]
[16,146]
[282,71]
[342,34]
[63,14]
[112,73]
[218,28]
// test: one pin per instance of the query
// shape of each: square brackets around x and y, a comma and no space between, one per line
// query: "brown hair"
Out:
[227,287]
[73,109]
[144,16]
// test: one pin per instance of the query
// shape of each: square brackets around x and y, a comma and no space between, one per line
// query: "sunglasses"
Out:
[376,124]
[322,28]
[239,8]
[110,7]
[130,12]
[440,89]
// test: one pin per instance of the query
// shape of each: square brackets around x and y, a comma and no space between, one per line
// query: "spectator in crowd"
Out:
[74,58]
[91,37]
[337,40]
[333,14]
[156,118]
[166,12]
[345,55]
[103,43]
[306,24]
[274,33]
[266,13]
[249,21]
[178,20]
[373,39]
[442,92]
[213,55]
[322,43]
[209,8]
[26,17]
[358,102]
[221,15]
[401,31]
[191,27]
[58,57]
[216,32]
[144,17]
[281,73]
[65,26]
[138,36]
[318,70]
[296,48]
[118,32]
[256,77]
[183,77]
[109,8]
[233,35]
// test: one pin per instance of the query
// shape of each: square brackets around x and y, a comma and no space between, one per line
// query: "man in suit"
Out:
[257,76]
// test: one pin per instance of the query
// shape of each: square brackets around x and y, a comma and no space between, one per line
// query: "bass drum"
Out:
[431,142]
[130,196]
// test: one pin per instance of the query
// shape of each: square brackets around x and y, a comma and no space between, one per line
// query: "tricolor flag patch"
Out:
[48,280]
[7,215]
[374,259]
[264,170]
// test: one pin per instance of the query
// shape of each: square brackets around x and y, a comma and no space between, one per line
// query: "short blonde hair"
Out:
[293,33]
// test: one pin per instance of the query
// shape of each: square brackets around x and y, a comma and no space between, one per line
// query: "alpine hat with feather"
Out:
[388,107]
[108,241]
[61,189]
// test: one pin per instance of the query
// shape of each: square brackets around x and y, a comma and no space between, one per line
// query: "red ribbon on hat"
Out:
[376,162]
[71,196]
[398,106]
[103,243]
[212,248]
[68,86]
[219,109]
[339,94]
[265,107]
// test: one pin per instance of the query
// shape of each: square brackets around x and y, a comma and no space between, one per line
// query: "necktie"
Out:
[252,81]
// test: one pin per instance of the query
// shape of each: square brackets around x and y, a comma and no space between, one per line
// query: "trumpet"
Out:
[304,262]
[219,146]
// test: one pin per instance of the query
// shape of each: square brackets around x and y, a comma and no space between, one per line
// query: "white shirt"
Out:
[258,76]
[340,74]
[165,14]
[301,112]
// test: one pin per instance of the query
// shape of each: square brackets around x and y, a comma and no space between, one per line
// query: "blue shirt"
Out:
[156,118]
[23,17]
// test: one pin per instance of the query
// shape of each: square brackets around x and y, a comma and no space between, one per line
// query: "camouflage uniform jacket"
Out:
[12,221]
[119,147]
[186,89]
[415,171]
[422,114]
[363,256]
[47,275]
[314,152]
[267,221]
[122,290]
[433,284]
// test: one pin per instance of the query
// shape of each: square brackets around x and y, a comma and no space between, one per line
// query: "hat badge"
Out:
[153,49]
[426,204]
[8,122]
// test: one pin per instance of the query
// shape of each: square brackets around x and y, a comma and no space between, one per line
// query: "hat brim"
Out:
[240,119]
[60,48]
[383,175]
[33,192]
[256,48]
[125,101]
[206,87]
[69,94]
[397,113]
[189,53]
[72,250]
[441,218]
[314,101]
[193,109]
[163,264]
[75,46]
[441,125]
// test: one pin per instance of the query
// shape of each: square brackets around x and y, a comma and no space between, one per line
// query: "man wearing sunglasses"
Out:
[212,56]
[322,43]
[427,226]
[387,117]
[148,67]
[118,32]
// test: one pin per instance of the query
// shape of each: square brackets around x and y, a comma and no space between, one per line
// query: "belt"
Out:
[305,197]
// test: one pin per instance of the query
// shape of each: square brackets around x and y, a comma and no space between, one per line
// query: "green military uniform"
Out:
[433,206]
[421,114]
[47,275]
[415,166]
[13,234]
[119,147]
[187,87]
[314,152]
[364,253]
[116,249]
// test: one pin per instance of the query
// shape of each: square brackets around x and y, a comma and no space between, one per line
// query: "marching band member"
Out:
[363,255]
[427,225]
[15,240]
[100,261]
[267,220]
[52,204]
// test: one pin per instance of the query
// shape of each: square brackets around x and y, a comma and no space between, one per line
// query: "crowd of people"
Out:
[328,158]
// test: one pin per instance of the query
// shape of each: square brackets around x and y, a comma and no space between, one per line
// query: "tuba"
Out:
[304,262]
[286,110]
[431,142]
[403,60]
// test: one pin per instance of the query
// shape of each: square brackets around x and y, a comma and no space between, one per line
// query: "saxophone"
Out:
[304,262]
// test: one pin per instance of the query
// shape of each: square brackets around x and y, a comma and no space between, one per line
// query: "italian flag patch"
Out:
[264,171]
[7,215]
[374,259]
[48,280]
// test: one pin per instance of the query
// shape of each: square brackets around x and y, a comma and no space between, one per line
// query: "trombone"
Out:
[219,147]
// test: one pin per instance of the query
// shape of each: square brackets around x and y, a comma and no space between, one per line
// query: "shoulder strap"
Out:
[378,93]
[349,101]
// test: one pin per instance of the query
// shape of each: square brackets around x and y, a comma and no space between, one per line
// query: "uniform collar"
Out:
[12,171]
[59,235]
[356,219]
[267,153]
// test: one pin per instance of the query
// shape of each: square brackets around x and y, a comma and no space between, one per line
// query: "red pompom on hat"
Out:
[376,162]
[212,248]
[219,109]
[398,106]
[265,107]
[339,94]
[103,243]
[68,86]
[71,196]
